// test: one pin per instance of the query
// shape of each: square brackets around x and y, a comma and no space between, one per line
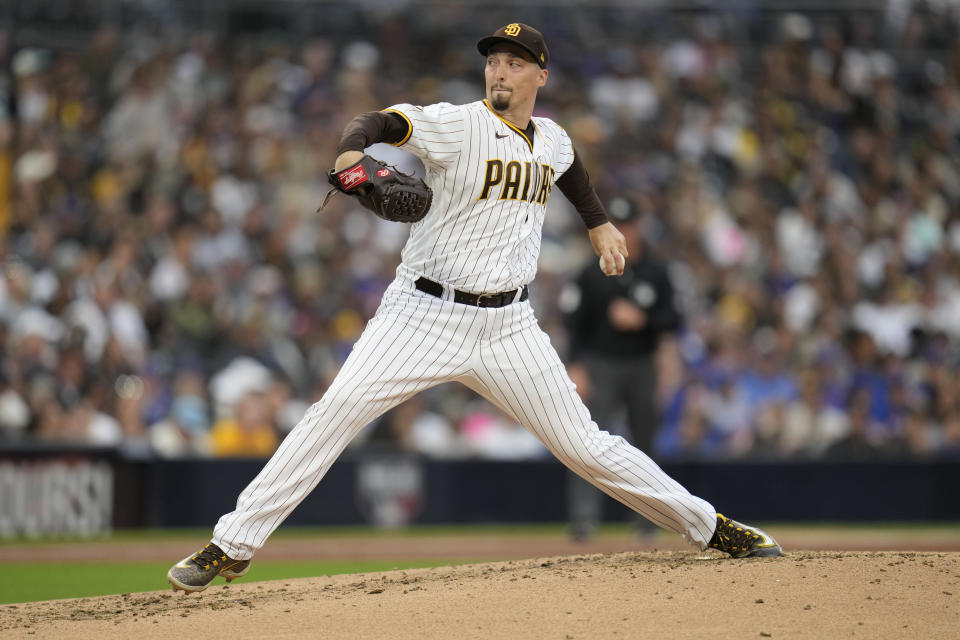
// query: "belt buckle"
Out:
[482,297]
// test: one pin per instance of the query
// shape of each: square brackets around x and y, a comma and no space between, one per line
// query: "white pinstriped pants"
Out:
[416,341]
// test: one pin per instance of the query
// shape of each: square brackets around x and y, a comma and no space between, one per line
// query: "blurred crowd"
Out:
[168,287]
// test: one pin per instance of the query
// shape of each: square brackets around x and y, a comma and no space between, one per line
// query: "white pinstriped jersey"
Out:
[490,188]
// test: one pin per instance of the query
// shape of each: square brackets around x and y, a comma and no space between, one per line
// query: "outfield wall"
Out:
[90,491]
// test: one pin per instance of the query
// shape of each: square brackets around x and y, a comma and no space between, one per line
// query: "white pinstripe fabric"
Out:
[475,244]
[416,341]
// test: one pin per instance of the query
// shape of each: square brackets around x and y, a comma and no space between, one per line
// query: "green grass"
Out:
[28,582]
[300,533]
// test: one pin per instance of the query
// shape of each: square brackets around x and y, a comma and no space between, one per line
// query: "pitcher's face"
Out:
[513,77]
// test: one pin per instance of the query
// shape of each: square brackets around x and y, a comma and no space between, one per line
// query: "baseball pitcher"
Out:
[458,308]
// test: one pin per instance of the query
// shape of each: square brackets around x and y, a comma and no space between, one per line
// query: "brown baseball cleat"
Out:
[195,573]
[742,541]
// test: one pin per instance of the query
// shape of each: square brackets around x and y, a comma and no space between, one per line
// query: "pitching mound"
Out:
[676,594]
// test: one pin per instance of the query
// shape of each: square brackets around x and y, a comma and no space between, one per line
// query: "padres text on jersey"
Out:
[491,184]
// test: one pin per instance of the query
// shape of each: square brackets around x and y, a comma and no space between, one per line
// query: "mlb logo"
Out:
[353,177]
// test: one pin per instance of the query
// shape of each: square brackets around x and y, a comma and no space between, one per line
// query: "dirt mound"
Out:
[676,594]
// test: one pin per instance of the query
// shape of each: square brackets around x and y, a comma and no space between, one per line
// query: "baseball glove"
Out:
[392,195]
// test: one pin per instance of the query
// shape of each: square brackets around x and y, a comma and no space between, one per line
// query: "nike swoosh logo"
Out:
[184,564]
[502,135]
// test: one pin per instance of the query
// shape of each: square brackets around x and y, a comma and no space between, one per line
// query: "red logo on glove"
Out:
[383,173]
[352,177]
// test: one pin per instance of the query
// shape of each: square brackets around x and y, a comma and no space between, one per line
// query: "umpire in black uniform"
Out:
[615,327]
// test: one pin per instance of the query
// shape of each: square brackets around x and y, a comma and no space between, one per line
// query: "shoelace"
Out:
[208,556]
[733,538]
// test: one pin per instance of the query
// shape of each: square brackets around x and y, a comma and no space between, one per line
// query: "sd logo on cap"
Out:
[522,35]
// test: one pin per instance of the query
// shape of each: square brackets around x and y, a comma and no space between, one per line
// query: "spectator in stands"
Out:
[14,412]
[488,433]
[158,207]
[248,432]
[412,427]
[950,445]
[860,443]
[810,423]
[185,430]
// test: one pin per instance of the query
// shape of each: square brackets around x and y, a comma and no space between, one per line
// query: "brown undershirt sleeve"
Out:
[575,185]
[371,127]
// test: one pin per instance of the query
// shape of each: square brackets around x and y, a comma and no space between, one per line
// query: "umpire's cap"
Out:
[520,34]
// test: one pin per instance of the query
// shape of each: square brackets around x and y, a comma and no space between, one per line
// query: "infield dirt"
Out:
[648,594]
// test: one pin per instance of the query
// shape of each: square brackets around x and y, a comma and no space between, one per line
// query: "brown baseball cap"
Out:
[522,35]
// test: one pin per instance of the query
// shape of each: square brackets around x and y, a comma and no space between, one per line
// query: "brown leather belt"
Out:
[500,299]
